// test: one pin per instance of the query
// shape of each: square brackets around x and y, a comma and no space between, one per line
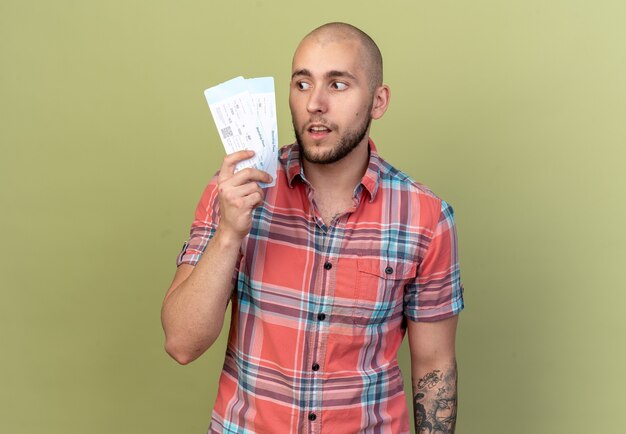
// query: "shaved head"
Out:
[371,59]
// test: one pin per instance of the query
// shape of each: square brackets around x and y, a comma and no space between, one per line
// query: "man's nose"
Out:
[317,102]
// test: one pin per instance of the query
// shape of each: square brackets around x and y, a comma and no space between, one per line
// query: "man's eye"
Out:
[302,85]
[339,85]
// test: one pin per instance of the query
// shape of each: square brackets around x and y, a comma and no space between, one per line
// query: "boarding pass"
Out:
[244,111]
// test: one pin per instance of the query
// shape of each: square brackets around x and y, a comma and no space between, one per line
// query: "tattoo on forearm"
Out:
[435,402]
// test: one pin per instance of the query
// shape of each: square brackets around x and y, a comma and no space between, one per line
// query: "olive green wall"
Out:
[513,111]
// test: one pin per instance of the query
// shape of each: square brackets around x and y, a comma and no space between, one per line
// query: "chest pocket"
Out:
[379,289]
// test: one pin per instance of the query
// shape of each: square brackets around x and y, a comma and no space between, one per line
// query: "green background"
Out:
[513,111]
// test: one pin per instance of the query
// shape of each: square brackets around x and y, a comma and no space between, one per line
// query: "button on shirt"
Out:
[318,310]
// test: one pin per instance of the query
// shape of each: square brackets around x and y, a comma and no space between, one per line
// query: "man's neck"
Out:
[342,176]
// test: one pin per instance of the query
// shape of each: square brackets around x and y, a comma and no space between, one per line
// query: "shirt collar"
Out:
[371,178]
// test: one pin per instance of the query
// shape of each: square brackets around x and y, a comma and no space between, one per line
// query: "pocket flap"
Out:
[387,269]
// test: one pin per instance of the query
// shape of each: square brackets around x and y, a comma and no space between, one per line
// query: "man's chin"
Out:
[314,147]
[315,152]
[325,154]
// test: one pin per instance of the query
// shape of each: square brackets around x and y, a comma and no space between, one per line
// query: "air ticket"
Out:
[264,100]
[244,112]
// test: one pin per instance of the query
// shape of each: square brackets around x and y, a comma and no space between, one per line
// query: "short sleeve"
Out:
[203,227]
[437,291]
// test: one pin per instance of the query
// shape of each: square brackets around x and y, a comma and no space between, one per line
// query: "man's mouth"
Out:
[318,131]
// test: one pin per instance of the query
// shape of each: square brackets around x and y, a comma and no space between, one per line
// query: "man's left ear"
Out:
[382,94]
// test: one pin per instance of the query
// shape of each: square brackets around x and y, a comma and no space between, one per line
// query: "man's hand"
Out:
[239,193]
[194,306]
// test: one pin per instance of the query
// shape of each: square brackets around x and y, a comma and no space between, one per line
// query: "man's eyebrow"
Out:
[339,74]
[304,72]
[330,74]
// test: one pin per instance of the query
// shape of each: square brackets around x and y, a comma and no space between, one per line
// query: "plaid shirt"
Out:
[319,311]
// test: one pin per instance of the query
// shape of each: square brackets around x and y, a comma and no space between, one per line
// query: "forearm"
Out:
[435,396]
[193,311]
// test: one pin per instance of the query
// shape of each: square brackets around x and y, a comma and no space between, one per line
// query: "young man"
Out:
[325,271]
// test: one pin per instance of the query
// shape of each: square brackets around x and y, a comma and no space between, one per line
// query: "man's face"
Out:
[329,98]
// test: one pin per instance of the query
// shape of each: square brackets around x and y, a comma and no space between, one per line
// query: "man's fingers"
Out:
[232,195]
[252,175]
[239,192]
[254,199]
[245,176]
[231,160]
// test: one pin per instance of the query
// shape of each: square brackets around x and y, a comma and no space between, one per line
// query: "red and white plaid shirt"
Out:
[318,312]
